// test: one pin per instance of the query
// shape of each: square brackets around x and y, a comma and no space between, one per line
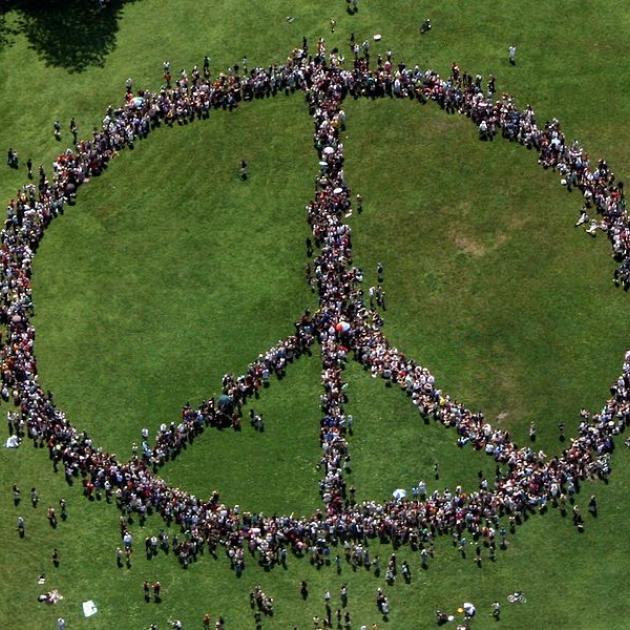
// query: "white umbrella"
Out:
[469,609]
[399,494]
[328,151]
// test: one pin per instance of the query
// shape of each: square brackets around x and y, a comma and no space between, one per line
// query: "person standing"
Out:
[52,517]
[12,158]
[63,506]
[156,591]
[74,130]
[380,297]
[561,428]
[496,610]
[592,505]
[372,294]
[119,557]
[512,55]
[343,593]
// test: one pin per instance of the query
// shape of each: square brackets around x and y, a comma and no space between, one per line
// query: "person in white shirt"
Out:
[512,55]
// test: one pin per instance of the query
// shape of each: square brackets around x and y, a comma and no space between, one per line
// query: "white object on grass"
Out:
[399,494]
[89,608]
[12,442]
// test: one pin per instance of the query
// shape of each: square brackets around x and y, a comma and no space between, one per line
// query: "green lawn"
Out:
[170,271]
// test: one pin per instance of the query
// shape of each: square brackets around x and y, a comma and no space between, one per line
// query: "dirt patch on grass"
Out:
[475,248]
[470,246]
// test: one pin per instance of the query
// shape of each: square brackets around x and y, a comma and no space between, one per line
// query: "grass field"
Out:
[170,271]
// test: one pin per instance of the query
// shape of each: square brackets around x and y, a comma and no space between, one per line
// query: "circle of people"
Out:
[343,325]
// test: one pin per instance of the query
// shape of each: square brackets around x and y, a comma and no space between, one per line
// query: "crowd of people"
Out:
[344,326]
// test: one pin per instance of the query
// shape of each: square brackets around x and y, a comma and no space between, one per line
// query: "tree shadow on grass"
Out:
[70,34]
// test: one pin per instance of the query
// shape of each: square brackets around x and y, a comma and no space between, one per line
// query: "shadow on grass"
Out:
[70,34]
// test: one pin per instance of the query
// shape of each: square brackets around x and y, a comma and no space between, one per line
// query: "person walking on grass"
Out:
[343,594]
[592,505]
[380,272]
[74,130]
[52,517]
[532,431]
[496,611]
[512,55]
[13,160]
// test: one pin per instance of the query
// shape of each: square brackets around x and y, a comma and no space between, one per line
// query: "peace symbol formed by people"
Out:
[347,324]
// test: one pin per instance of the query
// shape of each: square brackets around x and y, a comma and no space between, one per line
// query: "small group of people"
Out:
[341,614]
[352,6]
[156,587]
[261,602]
[51,515]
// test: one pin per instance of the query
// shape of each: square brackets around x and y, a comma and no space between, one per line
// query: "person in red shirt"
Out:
[156,590]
